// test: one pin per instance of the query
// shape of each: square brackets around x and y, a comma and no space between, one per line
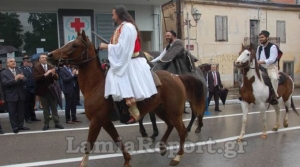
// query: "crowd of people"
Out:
[21,86]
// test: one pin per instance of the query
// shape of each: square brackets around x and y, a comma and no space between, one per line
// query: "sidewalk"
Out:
[232,98]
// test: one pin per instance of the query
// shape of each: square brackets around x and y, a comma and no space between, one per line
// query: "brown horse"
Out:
[171,95]
[254,90]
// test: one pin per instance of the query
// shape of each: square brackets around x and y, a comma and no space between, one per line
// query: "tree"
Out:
[11,29]
[44,27]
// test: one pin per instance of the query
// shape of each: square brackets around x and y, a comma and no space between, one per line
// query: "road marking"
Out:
[136,124]
[106,156]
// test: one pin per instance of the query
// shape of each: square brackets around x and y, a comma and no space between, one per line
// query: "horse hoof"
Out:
[152,138]
[263,136]
[275,129]
[144,134]
[286,125]
[155,134]
[174,163]
[163,152]
[127,165]
[239,140]
[198,130]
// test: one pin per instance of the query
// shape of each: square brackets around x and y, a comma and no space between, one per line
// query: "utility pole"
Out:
[178,18]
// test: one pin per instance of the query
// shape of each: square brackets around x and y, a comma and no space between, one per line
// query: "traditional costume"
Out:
[129,75]
[269,54]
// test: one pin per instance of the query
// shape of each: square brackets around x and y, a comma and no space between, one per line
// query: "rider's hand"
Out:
[103,46]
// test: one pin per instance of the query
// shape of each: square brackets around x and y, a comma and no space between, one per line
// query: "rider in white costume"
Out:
[129,76]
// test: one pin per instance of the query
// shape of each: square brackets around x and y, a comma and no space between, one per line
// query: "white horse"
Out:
[254,90]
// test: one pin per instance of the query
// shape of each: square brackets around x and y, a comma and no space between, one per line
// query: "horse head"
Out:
[246,58]
[77,51]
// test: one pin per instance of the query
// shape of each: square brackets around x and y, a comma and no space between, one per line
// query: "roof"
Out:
[259,2]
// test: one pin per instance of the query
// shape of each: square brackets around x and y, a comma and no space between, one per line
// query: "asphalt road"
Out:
[214,146]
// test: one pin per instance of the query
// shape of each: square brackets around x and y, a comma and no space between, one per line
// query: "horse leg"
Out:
[111,130]
[198,106]
[245,108]
[94,130]
[277,111]
[154,126]
[142,128]
[188,129]
[262,108]
[287,106]
[200,124]
[181,132]
[163,141]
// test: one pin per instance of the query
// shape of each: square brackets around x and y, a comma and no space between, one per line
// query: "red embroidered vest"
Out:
[116,35]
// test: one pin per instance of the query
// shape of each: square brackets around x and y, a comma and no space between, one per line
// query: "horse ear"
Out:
[83,35]
[251,46]
[78,33]
[243,47]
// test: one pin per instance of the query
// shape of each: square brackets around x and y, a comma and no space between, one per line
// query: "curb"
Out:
[79,111]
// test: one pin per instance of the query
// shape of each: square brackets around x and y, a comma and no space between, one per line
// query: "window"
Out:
[280,31]
[288,67]
[29,32]
[221,28]
[298,2]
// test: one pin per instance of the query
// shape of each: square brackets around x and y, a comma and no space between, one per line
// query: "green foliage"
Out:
[11,29]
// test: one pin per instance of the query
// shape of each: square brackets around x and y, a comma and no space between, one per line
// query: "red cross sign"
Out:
[77,24]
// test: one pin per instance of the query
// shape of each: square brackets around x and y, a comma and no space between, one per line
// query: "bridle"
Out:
[83,56]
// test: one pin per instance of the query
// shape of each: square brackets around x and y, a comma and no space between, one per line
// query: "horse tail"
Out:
[293,106]
[196,93]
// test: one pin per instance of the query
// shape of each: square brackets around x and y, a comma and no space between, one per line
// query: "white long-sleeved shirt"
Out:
[161,55]
[271,59]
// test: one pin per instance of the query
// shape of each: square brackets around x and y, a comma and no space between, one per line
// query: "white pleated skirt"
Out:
[136,82]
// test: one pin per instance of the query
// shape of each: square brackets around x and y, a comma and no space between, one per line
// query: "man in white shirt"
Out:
[266,55]
[170,38]
[129,76]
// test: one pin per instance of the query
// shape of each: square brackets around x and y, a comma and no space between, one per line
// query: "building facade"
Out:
[226,24]
[35,26]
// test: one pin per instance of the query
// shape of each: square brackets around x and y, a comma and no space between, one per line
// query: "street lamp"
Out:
[196,16]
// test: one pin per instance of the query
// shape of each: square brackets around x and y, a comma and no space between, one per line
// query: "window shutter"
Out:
[225,29]
[280,31]
[219,28]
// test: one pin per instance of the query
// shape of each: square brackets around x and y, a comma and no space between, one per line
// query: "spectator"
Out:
[44,74]
[1,102]
[29,91]
[13,82]
[214,85]
[69,78]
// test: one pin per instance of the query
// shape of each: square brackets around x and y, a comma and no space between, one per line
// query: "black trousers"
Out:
[77,93]
[29,106]
[16,113]
[216,97]
[70,107]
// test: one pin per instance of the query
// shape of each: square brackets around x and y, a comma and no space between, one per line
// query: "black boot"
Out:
[273,100]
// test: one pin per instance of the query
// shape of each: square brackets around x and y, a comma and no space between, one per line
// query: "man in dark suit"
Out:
[68,77]
[1,101]
[29,91]
[214,85]
[13,82]
[44,74]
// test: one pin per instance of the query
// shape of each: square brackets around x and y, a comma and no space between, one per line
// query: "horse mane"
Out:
[253,58]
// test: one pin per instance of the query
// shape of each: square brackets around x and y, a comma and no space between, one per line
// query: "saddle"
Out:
[282,78]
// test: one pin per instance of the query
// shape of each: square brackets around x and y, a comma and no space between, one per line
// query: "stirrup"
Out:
[273,101]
